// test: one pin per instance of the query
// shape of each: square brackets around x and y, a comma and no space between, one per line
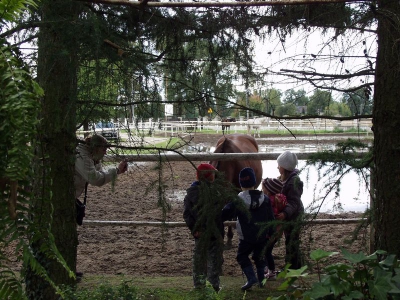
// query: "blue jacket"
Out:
[253,212]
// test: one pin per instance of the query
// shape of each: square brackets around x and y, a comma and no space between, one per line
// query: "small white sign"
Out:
[169,109]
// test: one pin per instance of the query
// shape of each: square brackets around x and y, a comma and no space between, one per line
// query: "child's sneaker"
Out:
[266,271]
[270,276]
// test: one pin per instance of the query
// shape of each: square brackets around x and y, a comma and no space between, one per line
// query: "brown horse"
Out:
[237,143]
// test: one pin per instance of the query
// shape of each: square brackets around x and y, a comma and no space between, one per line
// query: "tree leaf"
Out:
[319,254]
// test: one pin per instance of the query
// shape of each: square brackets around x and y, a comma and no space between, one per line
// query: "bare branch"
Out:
[332,76]
[314,77]
[20,27]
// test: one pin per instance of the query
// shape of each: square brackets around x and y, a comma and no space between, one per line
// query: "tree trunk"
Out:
[386,125]
[53,182]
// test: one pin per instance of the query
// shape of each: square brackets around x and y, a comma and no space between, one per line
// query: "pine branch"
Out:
[218,4]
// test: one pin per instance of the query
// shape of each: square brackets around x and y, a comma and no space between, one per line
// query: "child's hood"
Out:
[253,199]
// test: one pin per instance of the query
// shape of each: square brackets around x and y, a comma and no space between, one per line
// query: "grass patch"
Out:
[162,288]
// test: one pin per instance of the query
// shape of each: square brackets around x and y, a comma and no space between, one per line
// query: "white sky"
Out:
[295,54]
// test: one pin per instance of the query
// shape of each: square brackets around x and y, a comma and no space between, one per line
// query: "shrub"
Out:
[375,276]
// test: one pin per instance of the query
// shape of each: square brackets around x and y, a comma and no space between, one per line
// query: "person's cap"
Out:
[247,178]
[287,160]
[205,171]
[273,185]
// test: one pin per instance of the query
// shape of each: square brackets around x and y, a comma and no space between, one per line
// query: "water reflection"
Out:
[278,145]
[304,148]
[353,194]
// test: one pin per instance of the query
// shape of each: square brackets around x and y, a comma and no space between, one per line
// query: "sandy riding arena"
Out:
[159,251]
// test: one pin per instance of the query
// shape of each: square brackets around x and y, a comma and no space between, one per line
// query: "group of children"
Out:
[261,218]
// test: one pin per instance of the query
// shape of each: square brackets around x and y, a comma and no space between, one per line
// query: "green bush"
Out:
[376,276]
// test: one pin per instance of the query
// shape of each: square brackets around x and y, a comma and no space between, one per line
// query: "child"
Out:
[202,208]
[252,210]
[272,187]
[292,214]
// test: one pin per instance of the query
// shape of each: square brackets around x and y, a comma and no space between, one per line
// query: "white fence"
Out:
[172,128]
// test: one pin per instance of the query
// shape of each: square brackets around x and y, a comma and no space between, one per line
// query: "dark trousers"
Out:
[245,249]
[269,258]
[207,262]
[292,243]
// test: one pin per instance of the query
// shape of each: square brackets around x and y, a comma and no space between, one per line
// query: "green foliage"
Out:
[11,9]
[375,276]
[358,102]
[288,109]
[297,97]
[320,103]
[18,111]
[19,106]
[127,290]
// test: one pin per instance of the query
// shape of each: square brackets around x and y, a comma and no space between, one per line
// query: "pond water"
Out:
[353,194]
[352,197]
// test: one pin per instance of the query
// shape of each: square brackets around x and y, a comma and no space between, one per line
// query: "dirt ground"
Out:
[159,251]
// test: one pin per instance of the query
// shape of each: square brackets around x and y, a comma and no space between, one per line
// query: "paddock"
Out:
[126,232]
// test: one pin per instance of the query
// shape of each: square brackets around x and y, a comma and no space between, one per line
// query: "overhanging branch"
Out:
[331,76]
[218,4]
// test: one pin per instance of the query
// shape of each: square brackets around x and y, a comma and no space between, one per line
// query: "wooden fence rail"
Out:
[101,223]
[205,156]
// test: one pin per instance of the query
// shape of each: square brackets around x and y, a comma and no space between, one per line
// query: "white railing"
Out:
[172,128]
